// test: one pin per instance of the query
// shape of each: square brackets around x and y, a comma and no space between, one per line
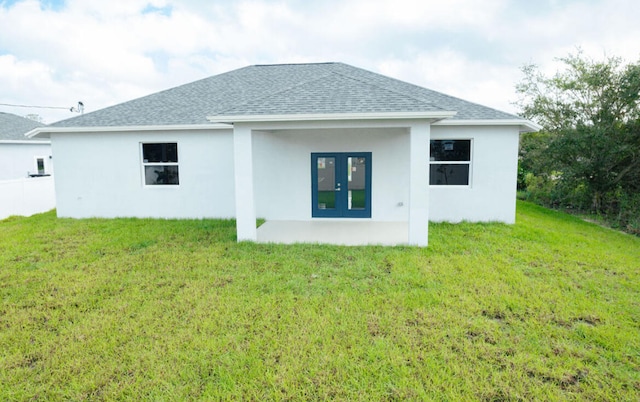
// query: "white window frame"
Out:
[469,162]
[144,164]
[44,165]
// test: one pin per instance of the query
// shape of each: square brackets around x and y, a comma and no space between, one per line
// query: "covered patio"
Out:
[343,232]
[274,178]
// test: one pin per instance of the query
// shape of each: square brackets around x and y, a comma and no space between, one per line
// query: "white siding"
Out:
[283,172]
[491,195]
[282,169]
[17,160]
[100,175]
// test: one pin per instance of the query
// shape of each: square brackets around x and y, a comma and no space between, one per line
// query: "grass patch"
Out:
[153,309]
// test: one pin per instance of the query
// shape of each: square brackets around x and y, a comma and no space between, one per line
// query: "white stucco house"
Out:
[326,150]
[21,156]
[26,166]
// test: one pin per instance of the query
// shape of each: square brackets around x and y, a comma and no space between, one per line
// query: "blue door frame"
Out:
[332,195]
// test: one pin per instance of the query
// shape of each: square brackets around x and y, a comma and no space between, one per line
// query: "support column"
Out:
[243,176]
[419,137]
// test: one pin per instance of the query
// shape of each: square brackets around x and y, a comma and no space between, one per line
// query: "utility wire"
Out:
[35,107]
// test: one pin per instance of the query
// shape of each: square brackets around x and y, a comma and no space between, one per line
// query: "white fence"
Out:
[26,196]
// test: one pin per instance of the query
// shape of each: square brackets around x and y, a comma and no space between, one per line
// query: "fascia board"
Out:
[526,125]
[43,131]
[27,142]
[331,116]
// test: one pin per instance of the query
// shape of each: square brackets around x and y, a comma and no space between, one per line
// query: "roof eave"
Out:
[45,132]
[35,133]
[433,116]
[525,126]
[27,142]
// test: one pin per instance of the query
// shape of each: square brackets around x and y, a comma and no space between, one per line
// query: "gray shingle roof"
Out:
[282,89]
[13,128]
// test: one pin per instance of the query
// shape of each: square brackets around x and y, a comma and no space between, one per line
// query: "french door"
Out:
[341,185]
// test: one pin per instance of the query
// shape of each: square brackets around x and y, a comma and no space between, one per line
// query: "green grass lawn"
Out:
[546,309]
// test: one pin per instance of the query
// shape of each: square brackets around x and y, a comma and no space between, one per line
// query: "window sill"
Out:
[458,186]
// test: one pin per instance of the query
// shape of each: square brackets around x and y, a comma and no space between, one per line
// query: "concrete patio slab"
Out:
[342,232]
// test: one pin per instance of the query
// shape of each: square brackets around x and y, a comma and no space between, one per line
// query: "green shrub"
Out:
[541,189]
[629,213]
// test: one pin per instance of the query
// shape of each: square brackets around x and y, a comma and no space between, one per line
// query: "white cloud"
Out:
[108,52]
[452,73]
[29,83]
[599,28]
[366,17]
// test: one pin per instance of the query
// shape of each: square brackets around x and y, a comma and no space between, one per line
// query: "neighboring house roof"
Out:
[14,128]
[283,89]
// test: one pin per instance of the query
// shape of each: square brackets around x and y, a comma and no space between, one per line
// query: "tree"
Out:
[590,113]
[587,93]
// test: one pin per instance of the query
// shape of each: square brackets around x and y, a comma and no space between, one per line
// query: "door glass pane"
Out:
[356,169]
[326,182]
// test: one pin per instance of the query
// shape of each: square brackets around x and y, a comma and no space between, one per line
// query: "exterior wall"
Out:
[101,175]
[26,196]
[282,169]
[491,195]
[17,160]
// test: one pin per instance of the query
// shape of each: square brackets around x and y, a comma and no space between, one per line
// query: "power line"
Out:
[35,107]
[77,109]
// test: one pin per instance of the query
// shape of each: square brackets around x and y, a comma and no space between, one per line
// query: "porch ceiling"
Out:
[336,232]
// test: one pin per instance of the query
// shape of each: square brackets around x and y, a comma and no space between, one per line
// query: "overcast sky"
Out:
[59,52]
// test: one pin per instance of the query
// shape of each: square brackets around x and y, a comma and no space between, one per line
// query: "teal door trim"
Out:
[333,194]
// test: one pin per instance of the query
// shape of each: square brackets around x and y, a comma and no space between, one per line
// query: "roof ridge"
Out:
[421,99]
[333,87]
[269,95]
[432,91]
[323,76]
[152,95]
[295,64]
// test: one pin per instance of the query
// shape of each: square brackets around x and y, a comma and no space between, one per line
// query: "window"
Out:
[160,163]
[450,162]
[40,166]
